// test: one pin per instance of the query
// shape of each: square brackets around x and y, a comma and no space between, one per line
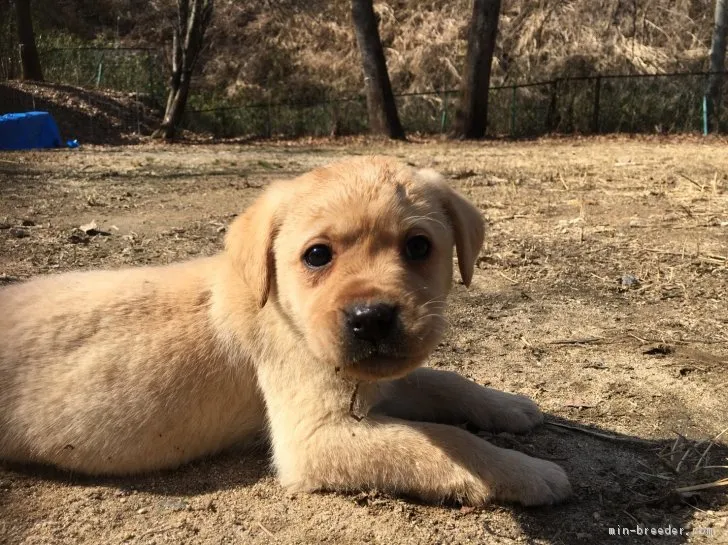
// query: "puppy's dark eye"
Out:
[417,248]
[317,256]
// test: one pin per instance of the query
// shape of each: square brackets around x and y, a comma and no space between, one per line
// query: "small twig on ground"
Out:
[707,257]
[684,457]
[673,450]
[266,530]
[578,340]
[511,217]
[607,436]
[601,278]
[651,474]
[696,184]
[507,277]
[664,252]
[640,339]
[637,522]
[563,182]
[710,445]
[687,210]
[654,475]
[702,486]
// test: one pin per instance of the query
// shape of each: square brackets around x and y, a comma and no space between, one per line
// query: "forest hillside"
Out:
[291,49]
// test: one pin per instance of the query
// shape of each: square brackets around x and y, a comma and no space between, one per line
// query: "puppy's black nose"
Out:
[371,322]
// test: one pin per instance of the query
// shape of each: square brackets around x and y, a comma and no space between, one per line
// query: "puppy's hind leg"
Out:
[443,396]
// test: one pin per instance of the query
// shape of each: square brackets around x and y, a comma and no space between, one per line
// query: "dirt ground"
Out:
[601,292]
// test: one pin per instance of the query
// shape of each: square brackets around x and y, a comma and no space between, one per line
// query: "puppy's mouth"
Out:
[372,361]
[378,367]
[358,352]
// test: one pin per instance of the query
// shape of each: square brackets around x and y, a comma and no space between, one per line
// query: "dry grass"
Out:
[282,50]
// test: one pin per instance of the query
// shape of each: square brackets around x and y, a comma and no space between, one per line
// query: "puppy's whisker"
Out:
[433,308]
[434,302]
[412,293]
[439,316]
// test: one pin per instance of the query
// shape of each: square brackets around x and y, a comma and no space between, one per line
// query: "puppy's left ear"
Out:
[467,222]
[250,238]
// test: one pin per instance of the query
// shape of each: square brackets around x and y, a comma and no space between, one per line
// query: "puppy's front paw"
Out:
[501,411]
[532,481]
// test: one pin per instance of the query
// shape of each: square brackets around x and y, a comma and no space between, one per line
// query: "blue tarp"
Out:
[28,130]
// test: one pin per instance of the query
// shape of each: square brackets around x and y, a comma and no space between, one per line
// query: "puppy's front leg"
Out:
[433,462]
[443,396]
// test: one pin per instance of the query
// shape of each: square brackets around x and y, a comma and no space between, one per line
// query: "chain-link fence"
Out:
[96,94]
[635,103]
[131,70]
[639,103]
[332,117]
[643,103]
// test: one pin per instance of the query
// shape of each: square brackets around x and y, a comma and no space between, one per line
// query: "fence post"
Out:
[443,117]
[268,128]
[551,111]
[513,111]
[597,92]
[224,132]
[150,71]
[99,72]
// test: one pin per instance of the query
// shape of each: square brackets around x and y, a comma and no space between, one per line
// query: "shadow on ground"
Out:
[623,488]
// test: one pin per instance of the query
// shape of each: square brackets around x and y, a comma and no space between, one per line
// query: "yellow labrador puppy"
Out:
[311,324]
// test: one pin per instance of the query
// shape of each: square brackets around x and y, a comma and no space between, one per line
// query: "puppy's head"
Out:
[357,259]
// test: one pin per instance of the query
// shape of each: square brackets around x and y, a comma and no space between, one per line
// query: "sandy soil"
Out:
[601,292]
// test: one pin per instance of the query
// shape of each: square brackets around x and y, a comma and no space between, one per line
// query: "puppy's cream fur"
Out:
[118,372]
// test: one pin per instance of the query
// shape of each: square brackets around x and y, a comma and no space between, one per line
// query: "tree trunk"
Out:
[717,63]
[193,18]
[472,115]
[176,103]
[26,42]
[381,108]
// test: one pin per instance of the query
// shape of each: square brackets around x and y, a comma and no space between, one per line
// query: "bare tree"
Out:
[472,115]
[193,18]
[29,58]
[717,62]
[381,108]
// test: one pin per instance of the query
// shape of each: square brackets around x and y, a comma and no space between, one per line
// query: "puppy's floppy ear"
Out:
[466,219]
[249,241]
